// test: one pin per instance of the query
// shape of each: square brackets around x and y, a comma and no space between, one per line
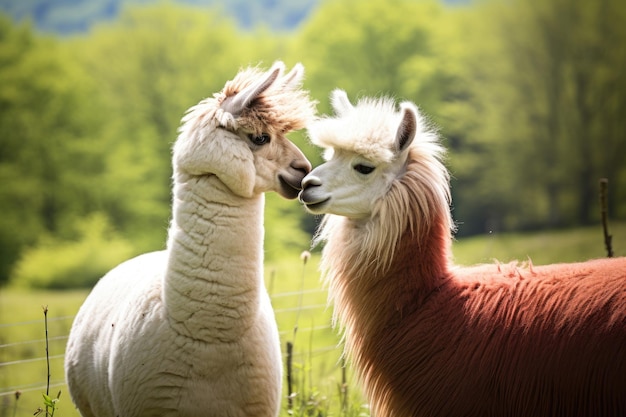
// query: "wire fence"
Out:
[306,325]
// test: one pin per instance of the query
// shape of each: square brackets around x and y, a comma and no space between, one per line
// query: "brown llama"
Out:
[428,338]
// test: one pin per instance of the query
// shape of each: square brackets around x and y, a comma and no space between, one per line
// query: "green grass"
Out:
[571,245]
[301,312]
[22,337]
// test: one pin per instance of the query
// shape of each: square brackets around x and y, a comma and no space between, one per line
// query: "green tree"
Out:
[152,65]
[79,261]
[562,113]
[367,48]
[46,154]
[421,51]
[88,122]
[533,120]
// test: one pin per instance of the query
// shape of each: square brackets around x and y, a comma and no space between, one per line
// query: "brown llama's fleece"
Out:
[431,339]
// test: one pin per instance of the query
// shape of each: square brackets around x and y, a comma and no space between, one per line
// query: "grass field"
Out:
[570,245]
[298,300]
[302,315]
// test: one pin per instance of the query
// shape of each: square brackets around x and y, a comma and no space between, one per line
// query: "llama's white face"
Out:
[366,150]
[348,184]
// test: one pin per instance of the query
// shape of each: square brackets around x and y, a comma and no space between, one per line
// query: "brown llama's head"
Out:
[383,173]
[239,135]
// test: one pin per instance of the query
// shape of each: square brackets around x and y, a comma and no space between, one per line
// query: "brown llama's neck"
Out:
[419,267]
[368,298]
[370,304]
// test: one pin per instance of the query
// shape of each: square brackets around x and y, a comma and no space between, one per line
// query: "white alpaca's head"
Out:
[366,148]
[238,135]
[383,170]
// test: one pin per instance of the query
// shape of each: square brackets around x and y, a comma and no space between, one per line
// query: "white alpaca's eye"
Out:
[259,140]
[363,169]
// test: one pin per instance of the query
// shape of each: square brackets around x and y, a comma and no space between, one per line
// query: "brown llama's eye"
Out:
[259,140]
[363,169]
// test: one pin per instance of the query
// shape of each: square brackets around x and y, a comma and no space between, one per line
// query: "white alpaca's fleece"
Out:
[190,331]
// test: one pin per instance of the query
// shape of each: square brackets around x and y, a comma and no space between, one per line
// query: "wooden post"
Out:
[604,203]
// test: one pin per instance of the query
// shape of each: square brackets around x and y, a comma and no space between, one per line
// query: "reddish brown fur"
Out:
[431,339]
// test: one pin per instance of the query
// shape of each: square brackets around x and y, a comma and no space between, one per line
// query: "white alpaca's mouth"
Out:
[315,206]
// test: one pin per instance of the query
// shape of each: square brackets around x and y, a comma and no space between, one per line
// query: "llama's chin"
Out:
[316,208]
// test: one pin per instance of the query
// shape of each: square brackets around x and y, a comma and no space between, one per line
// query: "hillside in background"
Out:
[67,17]
[530,112]
[71,16]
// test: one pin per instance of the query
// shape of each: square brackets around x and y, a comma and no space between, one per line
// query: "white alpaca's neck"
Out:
[214,277]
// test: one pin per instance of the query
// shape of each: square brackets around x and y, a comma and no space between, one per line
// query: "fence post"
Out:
[604,203]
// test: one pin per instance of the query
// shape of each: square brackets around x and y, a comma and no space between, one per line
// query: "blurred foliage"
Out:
[386,47]
[56,263]
[530,110]
[285,230]
[551,93]
[50,158]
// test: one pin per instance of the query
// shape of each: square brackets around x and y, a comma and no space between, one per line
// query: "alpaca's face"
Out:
[247,163]
[278,164]
[240,135]
[348,184]
[366,150]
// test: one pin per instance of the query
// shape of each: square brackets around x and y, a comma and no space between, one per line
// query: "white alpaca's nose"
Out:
[310,181]
[312,195]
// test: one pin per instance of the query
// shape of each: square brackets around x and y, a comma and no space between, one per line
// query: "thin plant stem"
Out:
[18,394]
[344,387]
[304,257]
[45,320]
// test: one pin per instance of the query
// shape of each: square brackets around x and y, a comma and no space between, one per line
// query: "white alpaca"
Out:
[190,331]
[429,338]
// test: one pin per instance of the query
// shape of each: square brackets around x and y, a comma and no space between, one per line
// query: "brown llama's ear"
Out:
[236,104]
[408,126]
[340,102]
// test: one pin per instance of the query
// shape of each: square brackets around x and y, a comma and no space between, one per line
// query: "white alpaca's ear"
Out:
[238,103]
[340,102]
[294,77]
[408,126]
